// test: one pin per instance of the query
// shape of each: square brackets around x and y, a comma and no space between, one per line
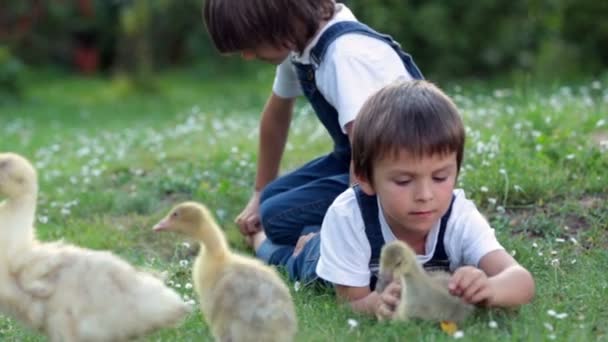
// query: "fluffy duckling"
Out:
[66,292]
[241,298]
[423,295]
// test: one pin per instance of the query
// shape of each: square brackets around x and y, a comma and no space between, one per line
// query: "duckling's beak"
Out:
[163,225]
[383,280]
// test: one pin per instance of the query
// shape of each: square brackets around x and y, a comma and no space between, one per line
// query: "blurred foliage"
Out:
[448,38]
[456,38]
[10,75]
[161,32]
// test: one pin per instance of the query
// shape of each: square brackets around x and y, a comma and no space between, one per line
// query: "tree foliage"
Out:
[448,38]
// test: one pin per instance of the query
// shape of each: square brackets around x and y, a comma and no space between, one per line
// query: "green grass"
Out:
[112,162]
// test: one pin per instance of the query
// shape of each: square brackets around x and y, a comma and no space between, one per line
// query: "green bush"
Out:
[10,75]
[585,27]
[448,38]
[456,38]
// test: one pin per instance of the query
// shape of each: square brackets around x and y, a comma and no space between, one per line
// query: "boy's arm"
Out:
[499,281]
[512,284]
[363,300]
[274,126]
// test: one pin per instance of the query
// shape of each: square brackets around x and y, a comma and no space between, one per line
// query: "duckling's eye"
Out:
[174,214]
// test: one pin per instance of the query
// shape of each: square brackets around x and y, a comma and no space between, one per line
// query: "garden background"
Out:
[125,109]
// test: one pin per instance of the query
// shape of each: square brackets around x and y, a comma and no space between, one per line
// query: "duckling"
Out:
[423,295]
[240,298]
[66,292]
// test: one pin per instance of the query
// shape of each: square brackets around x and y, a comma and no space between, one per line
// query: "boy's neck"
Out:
[416,242]
[322,25]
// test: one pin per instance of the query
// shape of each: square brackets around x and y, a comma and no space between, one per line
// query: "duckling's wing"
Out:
[440,278]
[428,299]
[252,304]
[107,299]
[137,288]
[37,271]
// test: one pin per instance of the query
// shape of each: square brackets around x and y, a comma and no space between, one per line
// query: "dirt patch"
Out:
[593,202]
[565,218]
[601,140]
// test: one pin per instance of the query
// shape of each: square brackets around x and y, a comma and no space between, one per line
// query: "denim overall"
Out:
[369,212]
[295,204]
[303,266]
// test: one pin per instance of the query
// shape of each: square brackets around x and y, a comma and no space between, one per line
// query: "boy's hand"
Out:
[472,285]
[388,301]
[248,220]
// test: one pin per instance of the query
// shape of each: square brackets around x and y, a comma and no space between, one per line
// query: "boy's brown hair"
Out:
[236,25]
[414,116]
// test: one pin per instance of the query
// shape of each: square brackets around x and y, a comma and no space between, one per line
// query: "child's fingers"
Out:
[387,304]
[455,284]
[473,289]
[456,279]
[243,228]
[253,224]
[390,300]
[238,219]
[481,296]
[239,222]
[395,289]
[384,312]
[471,276]
[242,222]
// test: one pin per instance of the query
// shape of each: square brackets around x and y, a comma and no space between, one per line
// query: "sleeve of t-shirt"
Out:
[345,251]
[286,82]
[355,67]
[471,235]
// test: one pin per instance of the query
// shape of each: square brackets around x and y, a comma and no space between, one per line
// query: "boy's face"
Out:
[414,192]
[267,53]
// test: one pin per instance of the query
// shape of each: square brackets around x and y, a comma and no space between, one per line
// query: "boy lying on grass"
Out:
[408,144]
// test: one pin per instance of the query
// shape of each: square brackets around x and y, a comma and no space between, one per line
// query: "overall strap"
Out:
[369,212]
[343,27]
[333,32]
[440,260]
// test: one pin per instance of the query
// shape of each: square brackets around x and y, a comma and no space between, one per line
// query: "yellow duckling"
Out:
[241,298]
[70,293]
[423,295]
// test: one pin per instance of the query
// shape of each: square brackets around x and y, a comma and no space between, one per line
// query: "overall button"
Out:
[310,75]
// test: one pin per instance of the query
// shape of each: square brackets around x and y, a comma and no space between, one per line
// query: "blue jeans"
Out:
[300,199]
[300,268]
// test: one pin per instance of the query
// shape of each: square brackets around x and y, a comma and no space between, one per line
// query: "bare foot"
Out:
[257,239]
[301,242]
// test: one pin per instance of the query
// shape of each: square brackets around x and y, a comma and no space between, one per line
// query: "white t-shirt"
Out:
[354,67]
[346,252]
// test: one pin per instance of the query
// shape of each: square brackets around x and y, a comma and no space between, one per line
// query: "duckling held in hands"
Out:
[423,295]
[241,298]
[66,292]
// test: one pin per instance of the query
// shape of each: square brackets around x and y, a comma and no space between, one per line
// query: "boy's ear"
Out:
[365,185]
[291,45]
